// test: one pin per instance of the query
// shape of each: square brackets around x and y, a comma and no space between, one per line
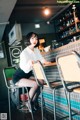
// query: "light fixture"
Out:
[46,11]
[37,25]
[48,22]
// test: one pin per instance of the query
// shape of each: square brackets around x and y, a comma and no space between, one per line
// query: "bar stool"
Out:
[25,102]
[8,74]
[69,70]
[39,74]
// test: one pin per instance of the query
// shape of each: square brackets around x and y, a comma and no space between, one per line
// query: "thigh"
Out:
[26,83]
[40,80]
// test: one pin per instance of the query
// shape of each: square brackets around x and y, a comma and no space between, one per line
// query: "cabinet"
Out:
[67,24]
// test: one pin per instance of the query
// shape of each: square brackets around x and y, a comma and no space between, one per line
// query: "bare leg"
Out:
[35,98]
[28,83]
[37,93]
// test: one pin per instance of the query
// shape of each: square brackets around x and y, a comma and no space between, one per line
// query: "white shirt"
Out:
[27,56]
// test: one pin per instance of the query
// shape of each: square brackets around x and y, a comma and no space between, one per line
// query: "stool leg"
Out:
[31,109]
[69,105]
[23,94]
[18,98]
[54,104]
[41,101]
[30,105]
[9,104]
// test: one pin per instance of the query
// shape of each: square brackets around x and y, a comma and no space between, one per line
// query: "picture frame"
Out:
[15,54]
[1,51]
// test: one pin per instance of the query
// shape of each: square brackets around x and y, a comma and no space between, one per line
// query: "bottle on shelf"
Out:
[68,25]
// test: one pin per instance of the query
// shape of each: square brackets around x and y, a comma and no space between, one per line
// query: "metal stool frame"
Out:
[69,70]
[8,74]
[39,73]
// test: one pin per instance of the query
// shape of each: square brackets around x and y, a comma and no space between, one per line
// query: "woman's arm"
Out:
[41,58]
[46,62]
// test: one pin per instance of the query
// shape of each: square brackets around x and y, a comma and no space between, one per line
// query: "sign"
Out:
[3,116]
[15,54]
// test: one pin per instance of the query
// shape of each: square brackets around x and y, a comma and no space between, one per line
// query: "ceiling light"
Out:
[46,11]
[37,25]
[48,22]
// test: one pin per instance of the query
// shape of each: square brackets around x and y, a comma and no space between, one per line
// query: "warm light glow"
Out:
[46,11]
[41,41]
[76,19]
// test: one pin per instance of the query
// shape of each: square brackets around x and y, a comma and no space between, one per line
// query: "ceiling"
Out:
[26,11]
[31,11]
[5,12]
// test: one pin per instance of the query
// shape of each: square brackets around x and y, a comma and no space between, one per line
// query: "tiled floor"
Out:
[16,114]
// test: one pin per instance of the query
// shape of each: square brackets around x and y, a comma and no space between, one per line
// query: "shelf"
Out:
[66,27]
[68,24]
[68,17]
[70,35]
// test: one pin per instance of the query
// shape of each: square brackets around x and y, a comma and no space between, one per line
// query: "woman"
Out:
[23,76]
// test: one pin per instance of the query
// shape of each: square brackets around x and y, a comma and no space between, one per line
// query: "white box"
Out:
[15,34]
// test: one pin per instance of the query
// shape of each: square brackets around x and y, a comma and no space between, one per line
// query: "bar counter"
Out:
[53,74]
[62,47]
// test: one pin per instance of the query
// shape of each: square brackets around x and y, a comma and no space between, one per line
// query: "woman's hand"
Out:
[35,61]
[46,63]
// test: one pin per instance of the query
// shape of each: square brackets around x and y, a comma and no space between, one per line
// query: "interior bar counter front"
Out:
[52,74]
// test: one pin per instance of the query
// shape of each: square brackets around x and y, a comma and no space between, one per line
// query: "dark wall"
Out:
[3,89]
[44,28]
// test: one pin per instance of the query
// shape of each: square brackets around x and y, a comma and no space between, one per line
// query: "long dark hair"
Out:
[28,37]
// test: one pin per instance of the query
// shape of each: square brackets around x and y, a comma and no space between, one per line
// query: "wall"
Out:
[3,64]
[44,28]
[3,89]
